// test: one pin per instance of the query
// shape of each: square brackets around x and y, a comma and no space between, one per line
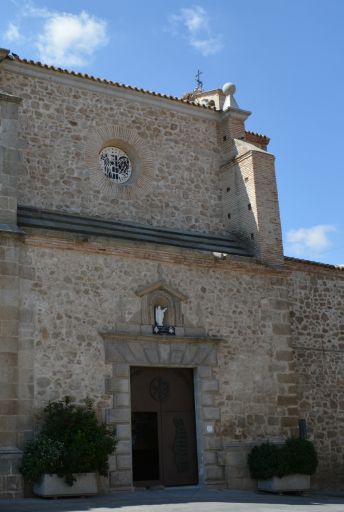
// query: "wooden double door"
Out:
[163,426]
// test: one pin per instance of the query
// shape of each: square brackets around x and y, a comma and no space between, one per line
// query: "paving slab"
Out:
[191,499]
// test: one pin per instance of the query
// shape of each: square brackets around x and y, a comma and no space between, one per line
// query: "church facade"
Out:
[142,266]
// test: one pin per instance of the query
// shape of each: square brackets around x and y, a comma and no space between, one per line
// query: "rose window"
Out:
[115,164]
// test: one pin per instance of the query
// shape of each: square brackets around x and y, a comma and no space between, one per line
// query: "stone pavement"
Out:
[188,499]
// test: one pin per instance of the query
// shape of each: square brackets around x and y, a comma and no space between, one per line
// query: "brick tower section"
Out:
[249,190]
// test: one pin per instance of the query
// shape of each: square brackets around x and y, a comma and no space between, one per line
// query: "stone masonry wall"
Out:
[270,371]
[317,322]
[76,291]
[56,120]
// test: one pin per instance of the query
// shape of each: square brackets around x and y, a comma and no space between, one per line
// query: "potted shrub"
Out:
[283,468]
[70,448]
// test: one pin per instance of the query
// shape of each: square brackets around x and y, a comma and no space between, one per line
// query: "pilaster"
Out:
[10,248]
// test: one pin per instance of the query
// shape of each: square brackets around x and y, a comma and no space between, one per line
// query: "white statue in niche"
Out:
[159,315]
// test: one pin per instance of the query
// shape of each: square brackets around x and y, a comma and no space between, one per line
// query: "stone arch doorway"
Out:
[163,426]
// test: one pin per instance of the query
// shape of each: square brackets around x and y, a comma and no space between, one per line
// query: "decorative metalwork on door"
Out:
[181,447]
[159,389]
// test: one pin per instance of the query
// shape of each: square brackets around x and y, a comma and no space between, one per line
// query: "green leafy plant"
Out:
[262,461]
[295,456]
[302,456]
[71,441]
[42,455]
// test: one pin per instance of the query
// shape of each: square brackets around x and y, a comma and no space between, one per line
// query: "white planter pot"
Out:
[54,486]
[296,482]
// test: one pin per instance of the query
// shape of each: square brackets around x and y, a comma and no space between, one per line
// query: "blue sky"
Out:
[285,57]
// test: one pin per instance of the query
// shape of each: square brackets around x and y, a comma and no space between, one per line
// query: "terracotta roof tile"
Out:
[257,137]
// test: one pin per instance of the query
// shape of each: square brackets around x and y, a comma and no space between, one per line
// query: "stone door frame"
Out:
[123,350]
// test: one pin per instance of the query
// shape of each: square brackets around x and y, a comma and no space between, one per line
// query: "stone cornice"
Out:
[125,336]
[10,229]
[93,226]
[235,113]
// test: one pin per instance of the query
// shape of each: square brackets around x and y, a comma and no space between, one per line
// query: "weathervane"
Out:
[199,83]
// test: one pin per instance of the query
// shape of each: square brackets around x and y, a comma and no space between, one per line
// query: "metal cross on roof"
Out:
[199,83]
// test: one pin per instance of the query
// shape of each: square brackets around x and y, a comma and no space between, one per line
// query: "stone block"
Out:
[210,386]
[25,390]
[281,329]
[8,268]
[289,421]
[152,355]
[9,406]
[123,431]
[24,407]
[124,462]
[177,355]
[8,391]
[121,479]
[8,439]
[284,355]
[8,423]
[9,110]
[117,415]
[286,400]
[5,465]
[208,399]
[138,355]
[24,422]
[164,353]
[212,443]
[122,399]
[123,447]
[121,370]
[112,460]
[286,378]
[189,354]
[14,482]
[9,375]
[211,358]
[10,328]
[126,352]
[210,457]
[8,344]
[119,385]
[204,372]
[211,413]
[112,354]
[215,473]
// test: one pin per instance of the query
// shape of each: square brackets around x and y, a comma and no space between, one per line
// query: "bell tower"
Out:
[247,178]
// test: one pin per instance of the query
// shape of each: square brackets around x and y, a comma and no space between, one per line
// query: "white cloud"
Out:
[12,33]
[194,19]
[207,46]
[70,39]
[306,240]
[61,38]
[193,23]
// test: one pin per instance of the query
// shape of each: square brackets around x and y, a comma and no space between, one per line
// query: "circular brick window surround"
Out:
[119,162]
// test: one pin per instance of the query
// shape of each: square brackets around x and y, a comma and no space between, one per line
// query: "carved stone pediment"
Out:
[161,294]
